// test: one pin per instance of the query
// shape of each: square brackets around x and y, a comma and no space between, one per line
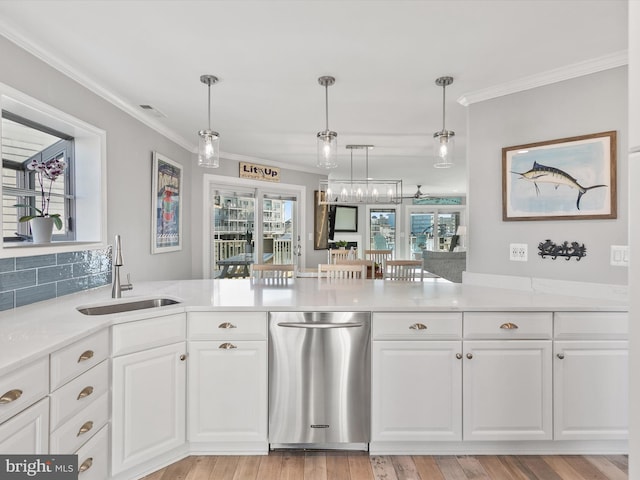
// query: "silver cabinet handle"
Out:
[458,356]
[86,465]
[319,325]
[183,357]
[86,426]
[226,325]
[227,346]
[469,356]
[10,396]
[508,326]
[418,326]
[85,356]
[85,392]
[560,356]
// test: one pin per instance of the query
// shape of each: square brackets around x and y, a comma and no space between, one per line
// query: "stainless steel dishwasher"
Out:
[319,380]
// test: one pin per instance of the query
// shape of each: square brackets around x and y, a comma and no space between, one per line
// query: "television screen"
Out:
[346,219]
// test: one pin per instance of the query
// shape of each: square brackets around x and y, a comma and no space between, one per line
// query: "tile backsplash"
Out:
[25,280]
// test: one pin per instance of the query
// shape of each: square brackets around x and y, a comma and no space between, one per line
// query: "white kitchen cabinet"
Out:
[148,404]
[27,432]
[416,391]
[228,391]
[507,387]
[591,376]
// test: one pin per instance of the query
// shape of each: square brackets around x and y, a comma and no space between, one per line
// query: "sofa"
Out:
[448,265]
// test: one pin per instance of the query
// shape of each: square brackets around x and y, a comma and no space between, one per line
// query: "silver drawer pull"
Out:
[85,356]
[418,326]
[508,326]
[458,356]
[86,465]
[10,396]
[85,392]
[86,426]
[227,346]
[560,356]
[469,356]
[226,325]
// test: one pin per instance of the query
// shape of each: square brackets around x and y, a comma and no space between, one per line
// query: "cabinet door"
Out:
[591,390]
[416,391]
[228,391]
[27,432]
[507,390]
[148,405]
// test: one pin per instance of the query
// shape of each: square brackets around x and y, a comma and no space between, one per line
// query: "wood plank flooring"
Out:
[298,465]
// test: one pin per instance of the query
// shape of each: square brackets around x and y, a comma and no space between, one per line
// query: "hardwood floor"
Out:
[295,465]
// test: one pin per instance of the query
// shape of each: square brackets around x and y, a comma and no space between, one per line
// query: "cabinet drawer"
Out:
[508,325]
[72,434]
[227,325]
[416,326]
[78,357]
[23,387]
[591,325]
[143,334]
[79,393]
[93,457]
[27,432]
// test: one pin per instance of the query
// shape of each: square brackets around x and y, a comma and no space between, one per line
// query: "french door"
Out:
[431,229]
[249,224]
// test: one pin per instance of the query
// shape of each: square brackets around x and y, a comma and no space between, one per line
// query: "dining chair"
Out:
[272,271]
[333,271]
[368,265]
[407,270]
[342,254]
[378,256]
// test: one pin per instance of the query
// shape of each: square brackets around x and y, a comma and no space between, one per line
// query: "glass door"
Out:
[382,229]
[280,241]
[432,229]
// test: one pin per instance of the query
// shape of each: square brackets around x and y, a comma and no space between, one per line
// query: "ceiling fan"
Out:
[418,194]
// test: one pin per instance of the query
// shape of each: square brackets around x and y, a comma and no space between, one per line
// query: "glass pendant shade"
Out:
[327,149]
[208,149]
[444,148]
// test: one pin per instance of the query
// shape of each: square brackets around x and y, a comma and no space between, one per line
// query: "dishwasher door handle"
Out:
[320,325]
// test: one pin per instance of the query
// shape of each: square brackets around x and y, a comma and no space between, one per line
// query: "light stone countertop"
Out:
[27,333]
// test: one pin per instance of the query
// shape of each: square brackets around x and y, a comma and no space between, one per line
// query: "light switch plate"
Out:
[619,255]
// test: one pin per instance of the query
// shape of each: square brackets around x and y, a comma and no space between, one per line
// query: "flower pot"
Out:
[41,229]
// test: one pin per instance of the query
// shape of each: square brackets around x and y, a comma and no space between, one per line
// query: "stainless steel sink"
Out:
[121,307]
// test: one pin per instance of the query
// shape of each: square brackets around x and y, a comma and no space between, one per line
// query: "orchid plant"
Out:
[46,171]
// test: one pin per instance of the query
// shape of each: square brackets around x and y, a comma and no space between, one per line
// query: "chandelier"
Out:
[360,191]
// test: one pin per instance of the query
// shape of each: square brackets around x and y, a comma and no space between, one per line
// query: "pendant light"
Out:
[209,141]
[443,140]
[327,140]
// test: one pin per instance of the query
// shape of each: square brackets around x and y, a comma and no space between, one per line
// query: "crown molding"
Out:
[94,86]
[606,62]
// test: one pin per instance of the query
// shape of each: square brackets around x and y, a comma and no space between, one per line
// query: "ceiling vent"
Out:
[153,111]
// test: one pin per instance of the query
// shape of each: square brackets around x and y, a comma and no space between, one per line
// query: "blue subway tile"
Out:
[99,280]
[73,257]
[15,280]
[6,300]
[54,274]
[25,296]
[7,264]
[24,263]
[72,285]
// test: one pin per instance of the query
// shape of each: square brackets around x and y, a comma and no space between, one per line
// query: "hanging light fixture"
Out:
[327,140]
[365,190]
[443,140]
[209,141]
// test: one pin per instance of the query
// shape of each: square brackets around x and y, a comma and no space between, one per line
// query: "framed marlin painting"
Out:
[565,179]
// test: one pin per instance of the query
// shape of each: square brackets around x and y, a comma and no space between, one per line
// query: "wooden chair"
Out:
[378,256]
[404,270]
[333,271]
[336,254]
[368,265]
[272,271]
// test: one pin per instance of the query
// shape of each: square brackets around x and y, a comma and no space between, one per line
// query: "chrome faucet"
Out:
[117,288]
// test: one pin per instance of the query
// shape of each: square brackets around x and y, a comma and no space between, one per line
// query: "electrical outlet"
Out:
[518,252]
[619,256]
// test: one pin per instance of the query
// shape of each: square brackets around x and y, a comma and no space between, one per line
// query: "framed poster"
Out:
[166,199]
[565,179]
[320,221]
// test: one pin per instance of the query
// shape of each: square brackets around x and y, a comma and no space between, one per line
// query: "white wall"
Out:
[589,104]
[129,147]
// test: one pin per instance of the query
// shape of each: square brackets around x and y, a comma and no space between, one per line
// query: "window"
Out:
[23,141]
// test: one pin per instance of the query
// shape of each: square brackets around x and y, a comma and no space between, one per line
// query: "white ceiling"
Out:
[268,55]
